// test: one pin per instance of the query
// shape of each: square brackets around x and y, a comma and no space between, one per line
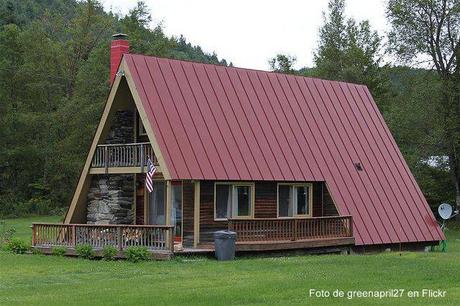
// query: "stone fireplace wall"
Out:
[111,197]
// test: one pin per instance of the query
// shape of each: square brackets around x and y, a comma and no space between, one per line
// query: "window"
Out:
[294,200]
[233,200]
[176,213]
[140,127]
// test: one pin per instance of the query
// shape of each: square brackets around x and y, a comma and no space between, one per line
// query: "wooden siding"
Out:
[329,206]
[187,213]
[265,206]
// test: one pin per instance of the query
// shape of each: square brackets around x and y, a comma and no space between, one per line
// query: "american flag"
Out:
[149,176]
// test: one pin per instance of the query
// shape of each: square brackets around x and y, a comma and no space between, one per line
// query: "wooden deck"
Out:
[158,239]
[252,235]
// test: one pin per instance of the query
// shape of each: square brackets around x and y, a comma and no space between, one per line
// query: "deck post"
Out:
[196,214]
[171,239]
[74,236]
[33,234]
[169,233]
[119,239]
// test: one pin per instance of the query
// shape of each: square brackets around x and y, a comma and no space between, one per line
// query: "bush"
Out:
[109,252]
[137,253]
[84,251]
[17,246]
[5,233]
[59,251]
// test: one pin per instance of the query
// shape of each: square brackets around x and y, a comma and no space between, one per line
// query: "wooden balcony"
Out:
[292,233]
[122,158]
[158,239]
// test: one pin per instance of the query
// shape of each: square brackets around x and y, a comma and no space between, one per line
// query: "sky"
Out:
[249,33]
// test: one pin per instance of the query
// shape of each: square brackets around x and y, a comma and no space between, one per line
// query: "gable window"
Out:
[294,200]
[233,200]
[140,127]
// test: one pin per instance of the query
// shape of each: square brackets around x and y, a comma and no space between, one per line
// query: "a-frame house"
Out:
[287,162]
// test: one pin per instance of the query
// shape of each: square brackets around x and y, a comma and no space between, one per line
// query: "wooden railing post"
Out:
[294,234]
[33,235]
[74,236]
[171,239]
[142,158]
[106,159]
[119,238]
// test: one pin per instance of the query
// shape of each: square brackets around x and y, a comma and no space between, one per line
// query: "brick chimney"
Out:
[119,46]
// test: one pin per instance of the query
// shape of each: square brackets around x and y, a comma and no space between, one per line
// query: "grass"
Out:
[49,280]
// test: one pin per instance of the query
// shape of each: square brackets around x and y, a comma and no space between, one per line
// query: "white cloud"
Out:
[248,33]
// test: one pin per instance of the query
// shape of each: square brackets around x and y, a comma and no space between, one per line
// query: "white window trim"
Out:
[236,184]
[310,200]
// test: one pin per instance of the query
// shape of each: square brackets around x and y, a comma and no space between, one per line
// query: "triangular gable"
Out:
[80,194]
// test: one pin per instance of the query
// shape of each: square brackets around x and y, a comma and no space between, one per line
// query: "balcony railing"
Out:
[292,229]
[154,237]
[123,155]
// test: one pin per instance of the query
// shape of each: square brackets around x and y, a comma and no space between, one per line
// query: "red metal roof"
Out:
[223,123]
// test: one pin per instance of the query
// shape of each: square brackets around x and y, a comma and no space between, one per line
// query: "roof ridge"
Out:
[244,68]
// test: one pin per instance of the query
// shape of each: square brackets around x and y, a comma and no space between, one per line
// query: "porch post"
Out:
[168,202]
[196,214]
[169,233]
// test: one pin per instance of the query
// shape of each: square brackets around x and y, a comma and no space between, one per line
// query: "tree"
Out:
[427,29]
[54,76]
[283,63]
[349,51]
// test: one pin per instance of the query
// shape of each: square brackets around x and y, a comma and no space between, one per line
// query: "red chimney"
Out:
[120,46]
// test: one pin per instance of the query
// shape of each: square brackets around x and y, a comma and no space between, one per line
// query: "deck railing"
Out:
[123,155]
[154,237]
[291,229]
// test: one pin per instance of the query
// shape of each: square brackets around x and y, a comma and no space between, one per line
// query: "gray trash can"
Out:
[224,242]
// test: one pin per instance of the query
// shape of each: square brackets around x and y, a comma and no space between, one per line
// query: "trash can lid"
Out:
[225,234]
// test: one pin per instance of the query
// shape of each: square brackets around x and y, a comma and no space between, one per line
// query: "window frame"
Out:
[294,207]
[140,129]
[233,185]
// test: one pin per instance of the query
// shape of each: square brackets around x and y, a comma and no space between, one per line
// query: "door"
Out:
[157,203]
[176,213]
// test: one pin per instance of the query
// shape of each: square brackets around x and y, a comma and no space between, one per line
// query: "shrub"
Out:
[5,233]
[109,252]
[137,253]
[17,246]
[84,251]
[36,251]
[59,251]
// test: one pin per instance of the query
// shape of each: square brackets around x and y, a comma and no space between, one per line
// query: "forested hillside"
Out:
[54,79]
[421,106]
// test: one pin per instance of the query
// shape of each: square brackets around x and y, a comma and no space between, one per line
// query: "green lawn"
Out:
[48,280]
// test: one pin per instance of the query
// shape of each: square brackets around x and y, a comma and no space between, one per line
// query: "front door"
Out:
[157,206]
[176,213]
[157,203]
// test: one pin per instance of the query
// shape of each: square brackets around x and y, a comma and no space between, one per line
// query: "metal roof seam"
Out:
[167,117]
[203,123]
[355,212]
[181,119]
[392,165]
[347,170]
[369,154]
[399,157]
